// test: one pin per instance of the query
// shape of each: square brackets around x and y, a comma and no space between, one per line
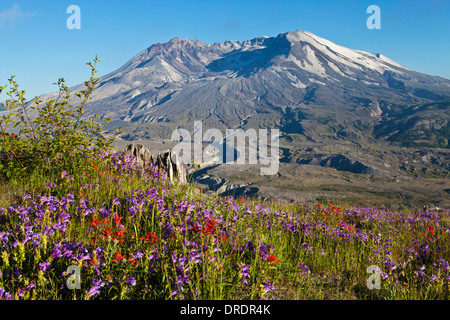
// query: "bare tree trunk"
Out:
[165,161]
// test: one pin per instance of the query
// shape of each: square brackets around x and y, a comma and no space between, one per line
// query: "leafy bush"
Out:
[51,137]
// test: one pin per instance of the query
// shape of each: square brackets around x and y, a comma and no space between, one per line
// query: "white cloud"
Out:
[14,14]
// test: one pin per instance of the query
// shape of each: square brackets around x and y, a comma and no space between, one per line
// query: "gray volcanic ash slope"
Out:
[297,82]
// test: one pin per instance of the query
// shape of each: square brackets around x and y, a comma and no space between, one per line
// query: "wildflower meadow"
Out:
[135,236]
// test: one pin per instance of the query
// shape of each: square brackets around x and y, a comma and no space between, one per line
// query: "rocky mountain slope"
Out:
[297,81]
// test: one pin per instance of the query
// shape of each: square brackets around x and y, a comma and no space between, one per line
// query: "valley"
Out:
[390,177]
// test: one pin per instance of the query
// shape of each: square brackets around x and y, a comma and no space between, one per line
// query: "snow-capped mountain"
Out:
[297,81]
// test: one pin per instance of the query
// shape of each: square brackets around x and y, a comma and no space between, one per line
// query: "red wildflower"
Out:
[150,238]
[272,259]
[211,223]
[107,232]
[209,227]
[94,222]
[133,262]
[117,219]
[117,257]
[120,234]
[94,239]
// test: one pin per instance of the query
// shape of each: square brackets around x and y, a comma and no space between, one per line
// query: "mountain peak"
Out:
[178,40]
[175,43]
[272,78]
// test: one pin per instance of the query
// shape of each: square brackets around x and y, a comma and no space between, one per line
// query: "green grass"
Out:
[292,251]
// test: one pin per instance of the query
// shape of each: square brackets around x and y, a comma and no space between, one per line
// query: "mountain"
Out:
[297,81]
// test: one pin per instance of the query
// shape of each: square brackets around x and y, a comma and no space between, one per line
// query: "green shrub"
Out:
[51,137]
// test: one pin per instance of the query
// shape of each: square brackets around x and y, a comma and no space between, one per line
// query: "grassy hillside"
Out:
[135,236]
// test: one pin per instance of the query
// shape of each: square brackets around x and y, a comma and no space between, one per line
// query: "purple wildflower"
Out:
[138,254]
[131,280]
[5,294]
[51,185]
[132,210]
[95,290]
[267,287]
[245,273]
[44,266]
[304,268]
[30,286]
[104,212]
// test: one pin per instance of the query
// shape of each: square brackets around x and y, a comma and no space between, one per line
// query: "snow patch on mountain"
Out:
[355,59]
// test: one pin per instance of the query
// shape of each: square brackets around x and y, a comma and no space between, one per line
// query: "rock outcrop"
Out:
[166,161]
[222,186]
[342,163]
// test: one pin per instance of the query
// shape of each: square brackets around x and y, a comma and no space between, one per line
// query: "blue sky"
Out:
[38,48]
